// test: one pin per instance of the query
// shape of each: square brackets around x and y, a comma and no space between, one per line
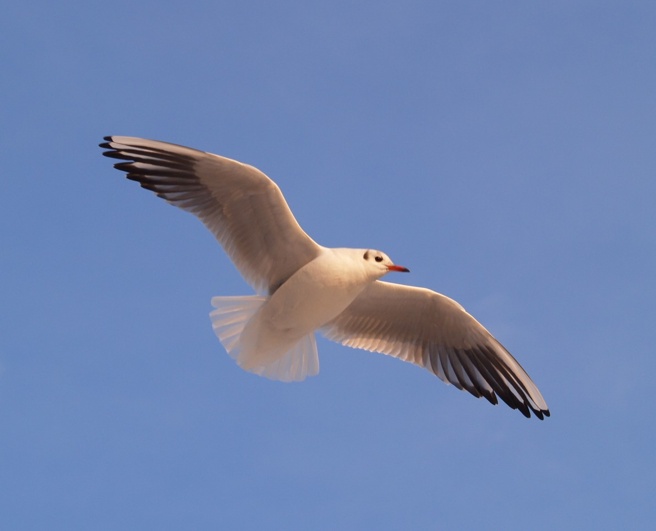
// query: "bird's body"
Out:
[291,314]
[305,287]
[334,277]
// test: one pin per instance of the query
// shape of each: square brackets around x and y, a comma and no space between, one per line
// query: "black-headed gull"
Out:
[305,287]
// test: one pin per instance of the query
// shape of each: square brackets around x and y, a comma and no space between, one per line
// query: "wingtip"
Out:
[525,408]
[541,413]
[106,144]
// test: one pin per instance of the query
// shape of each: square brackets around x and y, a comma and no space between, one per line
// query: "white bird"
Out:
[305,287]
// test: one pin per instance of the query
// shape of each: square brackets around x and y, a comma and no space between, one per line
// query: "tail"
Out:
[228,321]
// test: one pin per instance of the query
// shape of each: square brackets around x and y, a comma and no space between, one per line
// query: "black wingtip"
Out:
[541,413]
[106,145]
[524,410]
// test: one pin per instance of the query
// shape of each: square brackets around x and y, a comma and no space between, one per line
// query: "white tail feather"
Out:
[228,321]
[230,317]
[299,362]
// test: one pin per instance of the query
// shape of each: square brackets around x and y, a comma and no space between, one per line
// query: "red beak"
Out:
[398,268]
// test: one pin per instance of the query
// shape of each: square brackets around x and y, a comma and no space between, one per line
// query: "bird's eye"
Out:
[379,259]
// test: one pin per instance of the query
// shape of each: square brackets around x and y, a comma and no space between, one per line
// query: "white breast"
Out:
[310,298]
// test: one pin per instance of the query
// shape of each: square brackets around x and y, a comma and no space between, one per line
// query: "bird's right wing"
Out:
[244,209]
[433,331]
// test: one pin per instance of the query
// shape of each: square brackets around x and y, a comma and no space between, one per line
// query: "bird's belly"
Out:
[309,299]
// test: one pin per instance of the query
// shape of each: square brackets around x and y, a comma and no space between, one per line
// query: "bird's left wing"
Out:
[240,205]
[433,331]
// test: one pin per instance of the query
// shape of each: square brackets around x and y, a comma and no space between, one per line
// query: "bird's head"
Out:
[379,264]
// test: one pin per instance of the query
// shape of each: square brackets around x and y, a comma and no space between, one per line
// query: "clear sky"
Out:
[503,151]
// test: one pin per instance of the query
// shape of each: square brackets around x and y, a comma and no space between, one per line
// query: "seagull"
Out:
[302,287]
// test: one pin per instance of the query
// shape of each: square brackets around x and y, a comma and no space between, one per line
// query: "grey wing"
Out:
[433,331]
[240,205]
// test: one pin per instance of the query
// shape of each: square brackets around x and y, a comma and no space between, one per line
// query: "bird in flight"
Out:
[303,287]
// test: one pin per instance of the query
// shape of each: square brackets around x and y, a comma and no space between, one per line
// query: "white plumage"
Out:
[304,287]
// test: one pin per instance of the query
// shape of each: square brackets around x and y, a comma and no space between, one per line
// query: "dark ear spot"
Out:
[366,255]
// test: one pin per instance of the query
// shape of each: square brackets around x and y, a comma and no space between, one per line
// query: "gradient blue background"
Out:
[504,151]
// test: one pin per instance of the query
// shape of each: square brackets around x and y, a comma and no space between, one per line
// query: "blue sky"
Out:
[503,151]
